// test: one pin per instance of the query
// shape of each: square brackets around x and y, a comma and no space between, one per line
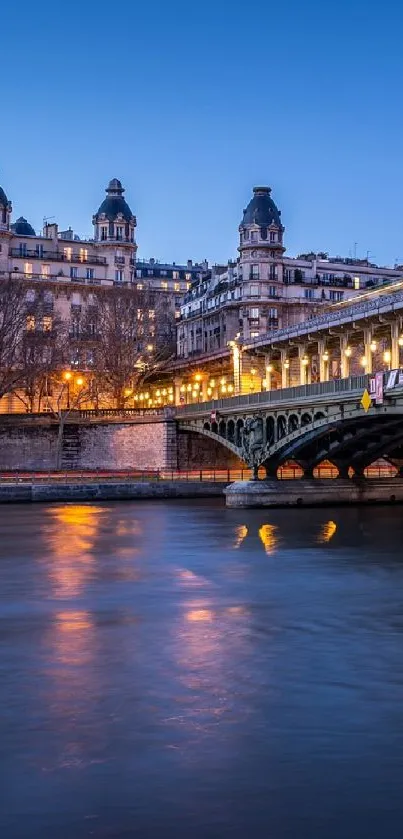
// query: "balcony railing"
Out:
[57,256]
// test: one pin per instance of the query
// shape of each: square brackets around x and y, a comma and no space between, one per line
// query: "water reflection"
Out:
[327,532]
[241,533]
[72,535]
[71,637]
[268,537]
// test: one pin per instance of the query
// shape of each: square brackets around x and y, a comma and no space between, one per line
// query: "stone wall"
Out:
[27,444]
[197,451]
[140,445]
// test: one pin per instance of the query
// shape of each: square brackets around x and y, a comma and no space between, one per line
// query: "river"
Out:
[174,669]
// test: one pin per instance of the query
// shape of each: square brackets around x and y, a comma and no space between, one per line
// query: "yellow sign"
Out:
[366,401]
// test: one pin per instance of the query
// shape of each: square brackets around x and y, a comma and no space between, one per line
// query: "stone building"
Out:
[263,289]
[67,272]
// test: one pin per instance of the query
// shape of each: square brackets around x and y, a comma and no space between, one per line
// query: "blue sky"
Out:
[192,104]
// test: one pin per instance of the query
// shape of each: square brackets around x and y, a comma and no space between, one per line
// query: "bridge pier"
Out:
[313,493]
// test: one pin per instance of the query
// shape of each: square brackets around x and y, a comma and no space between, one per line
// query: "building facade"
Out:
[264,289]
[59,258]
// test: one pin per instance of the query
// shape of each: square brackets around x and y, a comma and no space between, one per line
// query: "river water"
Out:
[175,669]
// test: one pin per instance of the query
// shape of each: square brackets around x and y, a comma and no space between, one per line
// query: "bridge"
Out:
[308,424]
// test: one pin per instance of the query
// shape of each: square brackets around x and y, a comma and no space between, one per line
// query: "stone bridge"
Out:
[308,424]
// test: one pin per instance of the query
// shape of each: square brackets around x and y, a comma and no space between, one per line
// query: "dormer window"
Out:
[272,236]
[253,236]
[119,233]
[104,234]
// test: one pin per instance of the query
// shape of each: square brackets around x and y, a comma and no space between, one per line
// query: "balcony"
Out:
[57,256]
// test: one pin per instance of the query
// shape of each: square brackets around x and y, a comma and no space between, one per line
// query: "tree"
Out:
[13,321]
[43,354]
[130,332]
[69,390]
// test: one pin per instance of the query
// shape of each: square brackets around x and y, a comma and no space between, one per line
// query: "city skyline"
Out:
[199,105]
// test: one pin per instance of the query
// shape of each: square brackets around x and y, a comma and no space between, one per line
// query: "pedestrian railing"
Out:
[289,471]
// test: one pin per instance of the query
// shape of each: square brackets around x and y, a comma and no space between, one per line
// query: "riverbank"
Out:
[107,491]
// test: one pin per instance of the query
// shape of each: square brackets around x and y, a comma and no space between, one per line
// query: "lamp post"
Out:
[67,377]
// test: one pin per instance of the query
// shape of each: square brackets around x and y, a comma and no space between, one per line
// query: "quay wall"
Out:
[142,443]
[32,445]
[109,491]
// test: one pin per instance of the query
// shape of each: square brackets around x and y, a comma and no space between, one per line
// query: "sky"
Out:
[191,104]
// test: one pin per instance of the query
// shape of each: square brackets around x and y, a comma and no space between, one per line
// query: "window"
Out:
[164,285]
[254,291]
[150,272]
[175,275]
[254,334]
[83,254]
[255,272]
[28,269]
[246,234]
[151,314]
[75,328]
[254,313]
[309,294]
[119,276]
[90,273]
[119,233]
[253,236]
[45,271]
[73,272]
[30,296]
[39,250]
[188,276]
[47,323]
[273,313]
[68,252]
[187,286]
[272,237]
[104,234]
[76,298]
[176,286]
[139,286]
[23,249]
[30,324]
[356,282]
[138,273]
[272,290]
[336,296]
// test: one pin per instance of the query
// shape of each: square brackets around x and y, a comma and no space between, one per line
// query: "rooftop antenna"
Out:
[46,219]
[355,250]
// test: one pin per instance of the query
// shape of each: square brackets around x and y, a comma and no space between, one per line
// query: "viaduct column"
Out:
[177,390]
[268,367]
[368,350]
[304,371]
[395,354]
[285,364]
[323,362]
[345,354]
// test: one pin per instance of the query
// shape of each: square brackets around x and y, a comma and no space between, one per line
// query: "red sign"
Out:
[379,388]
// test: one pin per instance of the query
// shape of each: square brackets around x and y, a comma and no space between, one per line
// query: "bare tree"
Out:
[43,354]
[64,395]
[130,335]
[13,321]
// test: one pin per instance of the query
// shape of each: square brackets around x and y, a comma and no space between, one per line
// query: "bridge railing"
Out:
[345,313]
[273,397]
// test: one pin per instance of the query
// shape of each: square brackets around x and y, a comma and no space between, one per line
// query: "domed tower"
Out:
[22,227]
[5,211]
[114,222]
[261,236]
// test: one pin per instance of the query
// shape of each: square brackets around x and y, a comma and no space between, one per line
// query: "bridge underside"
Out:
[350,439]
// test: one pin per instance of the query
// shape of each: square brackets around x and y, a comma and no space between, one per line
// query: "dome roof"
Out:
[22,227]
[261,210]
[114,204]
[3,198]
